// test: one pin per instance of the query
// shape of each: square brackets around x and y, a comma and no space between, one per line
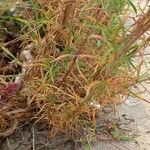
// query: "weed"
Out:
[83,53]
[118,135]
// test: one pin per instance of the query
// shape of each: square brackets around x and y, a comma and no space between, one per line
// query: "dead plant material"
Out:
[12,123]
[142,25]
[93,64]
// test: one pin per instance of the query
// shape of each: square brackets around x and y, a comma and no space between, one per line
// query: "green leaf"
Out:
[132,5]
[15,18]
[99,43]
[10,54]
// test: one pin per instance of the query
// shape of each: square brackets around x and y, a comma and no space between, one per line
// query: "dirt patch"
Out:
[29,137]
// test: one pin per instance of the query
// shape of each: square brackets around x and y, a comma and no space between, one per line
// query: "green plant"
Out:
[83,53]
[119,135]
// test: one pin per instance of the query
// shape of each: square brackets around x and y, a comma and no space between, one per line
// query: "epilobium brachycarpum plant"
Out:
[83,54]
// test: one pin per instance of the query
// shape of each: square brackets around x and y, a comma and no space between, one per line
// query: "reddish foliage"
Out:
[10,90]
